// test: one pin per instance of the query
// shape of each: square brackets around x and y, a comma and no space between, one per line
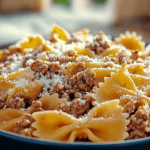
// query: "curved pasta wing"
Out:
[9,117]
[98,125]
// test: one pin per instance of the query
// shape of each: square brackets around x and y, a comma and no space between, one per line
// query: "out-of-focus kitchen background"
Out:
[19,18]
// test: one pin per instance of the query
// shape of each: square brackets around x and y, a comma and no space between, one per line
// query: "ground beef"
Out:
[136,134]
[45,68]
[2,102]
[76,108]
[135,55]
[70,53]
[16,103]
[23,126]
[6,54]
[99,44]
[88,98]
[35,106]
[83,81]
[69,92]
[129,108]
[57,88]
[36,66]
[78,95]
[25,58]
[53,68]
[65,95]
[138,122]
[67,59]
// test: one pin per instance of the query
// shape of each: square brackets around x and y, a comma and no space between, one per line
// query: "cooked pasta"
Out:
[76,87]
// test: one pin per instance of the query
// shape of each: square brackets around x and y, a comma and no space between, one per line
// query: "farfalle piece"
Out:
[118,84]
[51,102]
[130,41]
[27,90]
[28,42]
[112,51]
[58,33]
[101,73]
[9,117]
[85,51]
[136,69]
[103,123]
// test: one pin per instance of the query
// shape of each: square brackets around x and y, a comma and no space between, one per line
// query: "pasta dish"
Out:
[76,87]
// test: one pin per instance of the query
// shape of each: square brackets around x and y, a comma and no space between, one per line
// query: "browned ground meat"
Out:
[99,44]
[2,102]
[129,108]
[36,66]
[76,108]
[88,98]
[57,88]
[138,124]
[7,53]
[45,68]
[83,81]
[16,103]
[36,106]
[136,134]
[23,126]
[135,55]
[53,68]
[25,58]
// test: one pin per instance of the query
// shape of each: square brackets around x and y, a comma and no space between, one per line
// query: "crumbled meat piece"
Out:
[69,93]
[136,135]
[80,66]
[23,126]
[129,108]
[7,53]
[2,102]
[83,81]
[25,58]
[135,55]
[122,59]
[67,59]
[54,68]
[35,106]
[36,65]
[70,53]
[45,69]
[88,98]
[138,122]
[16,103]
[57,88]
[76,108]
[100,44]
[62,60]
[78,95]
[65,95]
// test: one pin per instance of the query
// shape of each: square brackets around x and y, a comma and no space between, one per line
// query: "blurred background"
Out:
[19,18]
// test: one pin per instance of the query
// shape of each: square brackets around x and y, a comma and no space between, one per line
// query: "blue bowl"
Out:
[18,142]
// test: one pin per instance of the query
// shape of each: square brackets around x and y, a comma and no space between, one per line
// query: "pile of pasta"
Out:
[119,87]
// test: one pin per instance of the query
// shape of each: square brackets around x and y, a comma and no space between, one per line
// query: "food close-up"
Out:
[76,87]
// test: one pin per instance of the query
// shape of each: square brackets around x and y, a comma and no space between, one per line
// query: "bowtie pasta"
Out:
[76,87]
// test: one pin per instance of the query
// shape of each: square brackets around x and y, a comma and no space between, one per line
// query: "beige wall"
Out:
[14,5]
[130,8]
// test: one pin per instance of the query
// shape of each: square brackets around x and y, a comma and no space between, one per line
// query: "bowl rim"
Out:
[33,140]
